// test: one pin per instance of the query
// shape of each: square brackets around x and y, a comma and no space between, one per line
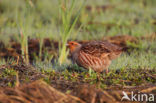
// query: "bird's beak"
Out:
[67,45]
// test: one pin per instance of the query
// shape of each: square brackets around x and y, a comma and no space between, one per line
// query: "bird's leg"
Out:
[98,77]
[107,70]
[17,60]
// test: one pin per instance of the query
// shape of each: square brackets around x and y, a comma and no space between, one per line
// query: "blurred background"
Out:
[40,28]
[99,18]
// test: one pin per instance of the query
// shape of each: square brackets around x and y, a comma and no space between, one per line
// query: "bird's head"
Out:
[72,45]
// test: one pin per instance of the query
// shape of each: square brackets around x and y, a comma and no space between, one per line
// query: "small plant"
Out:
[67,11]
[9,72]
[24,22]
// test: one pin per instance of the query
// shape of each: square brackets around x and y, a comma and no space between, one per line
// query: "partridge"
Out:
[96,55]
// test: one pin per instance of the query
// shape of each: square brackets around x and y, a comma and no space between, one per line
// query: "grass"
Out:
[135,60]
[45,18]
[67,11]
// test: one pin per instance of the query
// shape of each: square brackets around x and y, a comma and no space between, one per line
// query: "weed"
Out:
[9,72]
[67,12]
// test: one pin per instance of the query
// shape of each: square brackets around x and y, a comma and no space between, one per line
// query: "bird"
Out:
[95,55]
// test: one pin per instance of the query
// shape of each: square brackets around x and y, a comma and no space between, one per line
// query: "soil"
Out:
[13,50]
[58,90]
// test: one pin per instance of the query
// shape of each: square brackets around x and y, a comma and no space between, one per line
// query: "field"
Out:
[35,65]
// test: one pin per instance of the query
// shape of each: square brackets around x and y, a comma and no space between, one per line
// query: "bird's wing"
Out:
[99,48]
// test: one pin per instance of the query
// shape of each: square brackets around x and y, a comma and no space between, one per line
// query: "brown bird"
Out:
[96,55]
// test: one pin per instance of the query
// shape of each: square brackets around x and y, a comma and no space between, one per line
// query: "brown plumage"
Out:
[96,55]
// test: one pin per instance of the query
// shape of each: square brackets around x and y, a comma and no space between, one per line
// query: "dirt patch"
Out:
[67,87]
[51,47]
[41,92]
[36,92]
[98,8]
[121,40]
[27,73]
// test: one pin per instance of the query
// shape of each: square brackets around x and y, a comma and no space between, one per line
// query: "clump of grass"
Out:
[67,11]
[9,72]
[24,22]
[2,62]
[41,41]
